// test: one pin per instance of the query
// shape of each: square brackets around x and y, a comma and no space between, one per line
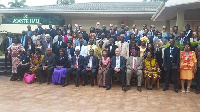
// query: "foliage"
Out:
[65,1]
[17,3]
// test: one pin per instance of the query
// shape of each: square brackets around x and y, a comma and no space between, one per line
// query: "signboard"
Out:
[25,20]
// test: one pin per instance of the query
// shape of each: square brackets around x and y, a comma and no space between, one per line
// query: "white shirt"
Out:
[83,51]
[117,62]
[55,39]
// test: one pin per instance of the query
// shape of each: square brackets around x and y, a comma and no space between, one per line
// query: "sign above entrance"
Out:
[25,20]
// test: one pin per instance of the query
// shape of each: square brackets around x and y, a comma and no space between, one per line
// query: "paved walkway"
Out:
[22,97]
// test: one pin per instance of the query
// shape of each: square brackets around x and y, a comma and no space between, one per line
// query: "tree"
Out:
[17,3]
[65,1]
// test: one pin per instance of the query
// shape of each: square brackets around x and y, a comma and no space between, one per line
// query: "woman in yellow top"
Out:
[188,66]
[36,60]
[151,69]
[99,49]
[143,46]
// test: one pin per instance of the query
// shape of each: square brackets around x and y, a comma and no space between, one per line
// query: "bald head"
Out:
[117,52]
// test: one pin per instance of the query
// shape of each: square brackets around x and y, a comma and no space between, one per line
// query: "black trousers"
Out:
[21,69]
[45,73]
[93,74]
[6,60]
[197,77]
[69,71]
[111,72]
[168,74]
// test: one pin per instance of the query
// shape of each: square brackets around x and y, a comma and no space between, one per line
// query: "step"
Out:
[3,63]
[2,73]
[2,68]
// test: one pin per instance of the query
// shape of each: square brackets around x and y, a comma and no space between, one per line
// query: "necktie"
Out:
[76,61]
[80,47]
[58,44]
[10,41]
[22,40]
[134,64]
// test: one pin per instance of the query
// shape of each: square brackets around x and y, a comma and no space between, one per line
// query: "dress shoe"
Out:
[92,84]
[84,84]
[165,89]
[19,79]
[197,92]
[65,84]
[176,90]
[76,85]
[139,89]
[128,87]
[12,79]
[124,89]
[48,83]
[108,88]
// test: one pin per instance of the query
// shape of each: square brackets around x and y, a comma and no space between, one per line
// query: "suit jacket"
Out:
[83,51]
[95,62]
[32,47]
[117,32]
[122,63]
[26,39]
[29,33]
[5,45]
[50,62]
[129,64]
[51,32]
[45,46]
[55,47]
[71,51]
[61,61]
[111,52]
[80,61]
[39,30]
[176,57]
[85,36]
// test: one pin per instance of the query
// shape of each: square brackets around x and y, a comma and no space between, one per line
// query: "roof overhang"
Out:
[169,9]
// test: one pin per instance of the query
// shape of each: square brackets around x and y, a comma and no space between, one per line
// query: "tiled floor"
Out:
[22,97]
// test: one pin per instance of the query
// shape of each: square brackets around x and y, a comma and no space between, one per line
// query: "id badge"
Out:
[187,59]
[171,56]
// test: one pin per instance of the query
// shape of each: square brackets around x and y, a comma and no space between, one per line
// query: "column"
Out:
[167,22]
[180,20]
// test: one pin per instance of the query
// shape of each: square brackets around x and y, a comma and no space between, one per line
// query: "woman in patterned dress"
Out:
[188,66]
[104,65]
[36,60]
[15,50]
[151,69]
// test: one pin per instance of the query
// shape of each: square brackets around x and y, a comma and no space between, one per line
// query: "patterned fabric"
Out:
[151,68]
[105,64]
[14,50]
[98,52]
[187,60]
[142,51]
[36,61]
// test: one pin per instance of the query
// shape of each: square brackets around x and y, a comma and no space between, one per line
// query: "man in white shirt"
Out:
[83,49]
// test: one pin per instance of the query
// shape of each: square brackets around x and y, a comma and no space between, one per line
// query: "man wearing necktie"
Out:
[23,38]
[4,45]
[118,65]
[171,64]
[91,64]
[134,67]
[76,65]
[59,44]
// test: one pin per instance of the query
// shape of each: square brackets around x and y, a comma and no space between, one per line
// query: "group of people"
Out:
[54,55]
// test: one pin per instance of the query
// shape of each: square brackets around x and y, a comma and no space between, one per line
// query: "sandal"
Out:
[183,90]
[188,90]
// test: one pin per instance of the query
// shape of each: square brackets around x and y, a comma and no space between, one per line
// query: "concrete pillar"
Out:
[180,20]
[167,22]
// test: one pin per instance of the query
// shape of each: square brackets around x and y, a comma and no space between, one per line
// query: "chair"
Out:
[158,83]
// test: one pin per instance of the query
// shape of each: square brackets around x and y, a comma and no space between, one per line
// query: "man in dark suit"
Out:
[188,32]
[69,50]
[39,30]
[23,39]
[29,32]
[84,34]
[111,48]
[76,65]
[118,65]
[4,45]
[47,44]
[59,44]
[57,29]
[117,32]
[91,64]
[47,67]
[171,64]
[51,31]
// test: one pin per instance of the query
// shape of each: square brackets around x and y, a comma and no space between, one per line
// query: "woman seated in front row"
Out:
[61,67]
[36,60]
[151,69]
